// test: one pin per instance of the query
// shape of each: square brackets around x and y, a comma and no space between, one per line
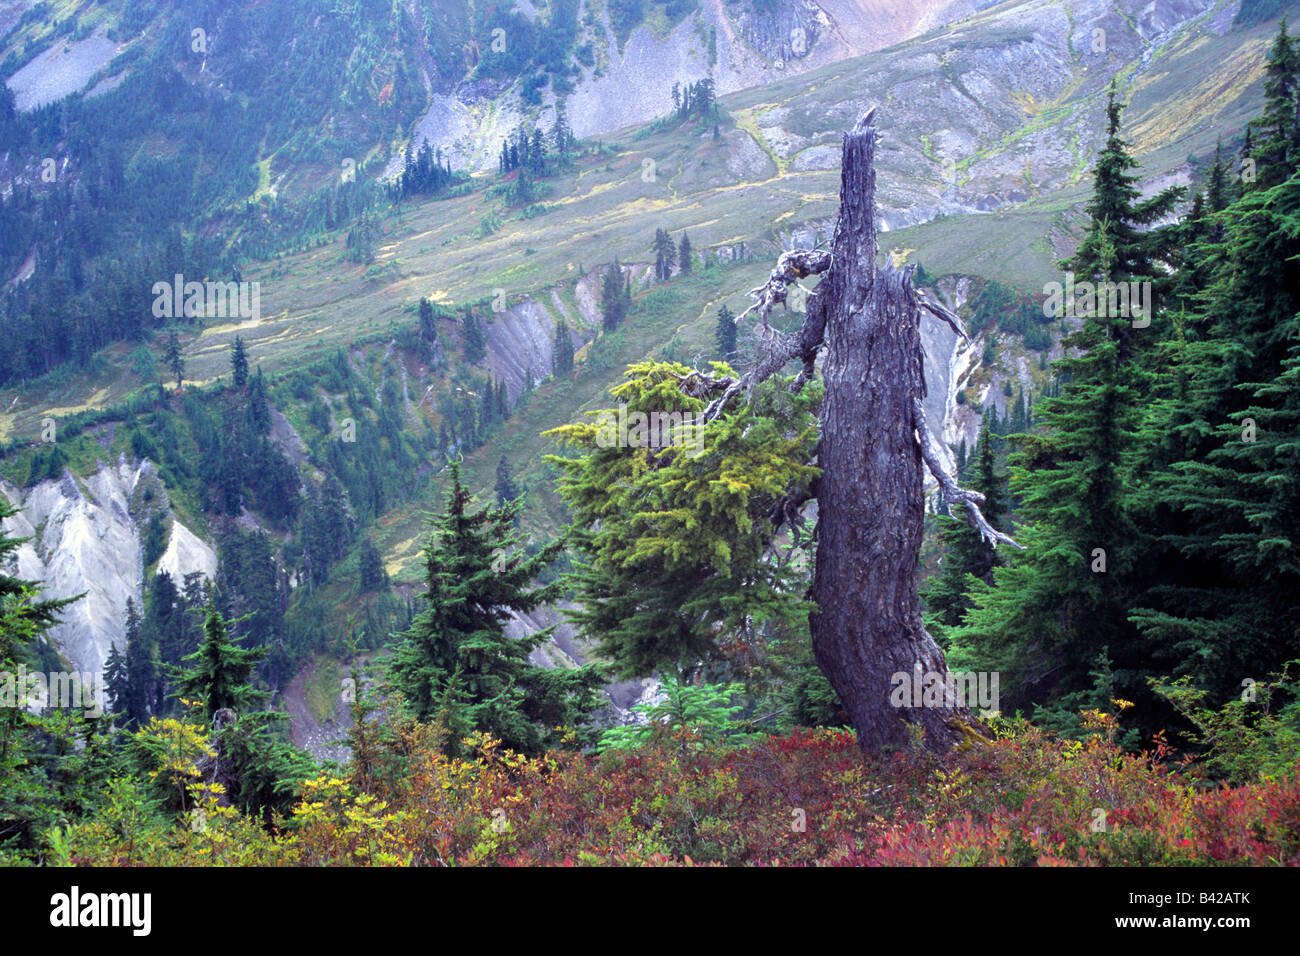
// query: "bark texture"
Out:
[868,624]
[867,630]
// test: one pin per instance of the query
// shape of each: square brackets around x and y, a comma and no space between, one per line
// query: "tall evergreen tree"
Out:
[117,681]
[144,671]
[685,259]
[562,133]
[259,769]
[665,251]
[220,671]
[1120,245]
[428,326]
[31,761]
[371,574]
[456,659]
[671,556]
[173,359]
[475,338]
[505,487]
[239,362]
[1277,132]
[725,334]
[562,356]
[613,297]
[1216,190]
[1064,603]
[1222,459]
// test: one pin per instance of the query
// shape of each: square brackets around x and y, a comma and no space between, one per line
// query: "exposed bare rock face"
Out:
[521,341]
[739,43]
[85,537]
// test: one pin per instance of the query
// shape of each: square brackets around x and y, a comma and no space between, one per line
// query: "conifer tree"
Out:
[965,553]
[671,557]
[259,413]
[562,133]
[259,769]
[1216,190]
[239,363]
[220,670]
[1050,615]
[456,659]
[1119,245]
[173,359]
[562,356]
[725,334]
[475,338]
[428,327]
[371,573]
[685,261]
[613,297]
[144,672]
[117,681]
[32,760]
[665,251]
[505,487]
[1222,458]
[1277,139]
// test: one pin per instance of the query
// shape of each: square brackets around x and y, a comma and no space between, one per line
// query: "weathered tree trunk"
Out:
[868,624]
[867,630]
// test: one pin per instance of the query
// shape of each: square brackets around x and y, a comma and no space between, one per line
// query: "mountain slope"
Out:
[988,129]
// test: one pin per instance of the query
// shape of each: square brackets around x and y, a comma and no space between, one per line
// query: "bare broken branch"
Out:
[972,499]
[940,311]
[790,268]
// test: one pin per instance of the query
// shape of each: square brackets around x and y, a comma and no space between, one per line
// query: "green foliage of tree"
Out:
[239,362]
[1254,737]
[694,715]
[1063,604]
[562,356]
[505,486]
[475,338]
[1120,242]
[615,297]
[965,553]
[155,539]
[371,574]
[725,335]
[220,671]
[173,359]
[47,760]
[258,768]
[665,251]
[696,99]
[1221,457]
[1277,131]
[456,661]
[672,545]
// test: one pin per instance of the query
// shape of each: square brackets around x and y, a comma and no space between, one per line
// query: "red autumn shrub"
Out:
[810,798]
